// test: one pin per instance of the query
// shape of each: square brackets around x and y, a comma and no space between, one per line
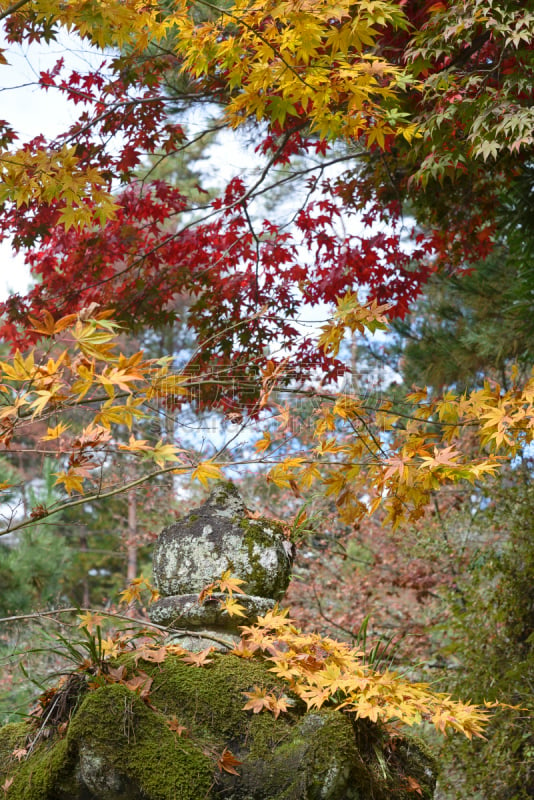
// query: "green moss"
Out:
[117,729]
[119,748]
[12,736]
[43,776]
[263,533]
[211,699]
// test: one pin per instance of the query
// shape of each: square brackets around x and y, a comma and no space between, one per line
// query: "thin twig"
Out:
[113,615]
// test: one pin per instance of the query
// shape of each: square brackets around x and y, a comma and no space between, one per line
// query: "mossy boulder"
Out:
[118,746]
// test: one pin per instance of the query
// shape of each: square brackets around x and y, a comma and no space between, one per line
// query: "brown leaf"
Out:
[140,683]
[228,762]
[117,673]
[156,655]
[177,727]
[411,785]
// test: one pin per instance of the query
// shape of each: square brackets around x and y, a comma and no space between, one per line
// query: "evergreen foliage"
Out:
[491,644]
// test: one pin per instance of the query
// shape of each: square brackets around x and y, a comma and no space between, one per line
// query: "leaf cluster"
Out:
[320,671]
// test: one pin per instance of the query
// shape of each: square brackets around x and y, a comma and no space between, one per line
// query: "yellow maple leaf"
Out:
[110,648]
[71,480]
[56,432]
[233,608]
[263,443]
[90,620]
[205,472]
[229,584]
[163,453]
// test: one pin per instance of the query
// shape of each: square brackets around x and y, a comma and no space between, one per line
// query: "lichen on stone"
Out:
[216,537]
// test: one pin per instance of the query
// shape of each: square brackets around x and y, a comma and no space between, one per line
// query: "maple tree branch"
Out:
[332,398]
[96,496]
[114,615]
[13,8]
[252,192]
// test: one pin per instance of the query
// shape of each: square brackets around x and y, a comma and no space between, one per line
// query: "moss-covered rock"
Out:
[118,747]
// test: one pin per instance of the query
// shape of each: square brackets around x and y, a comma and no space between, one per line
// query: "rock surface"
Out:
[216,537]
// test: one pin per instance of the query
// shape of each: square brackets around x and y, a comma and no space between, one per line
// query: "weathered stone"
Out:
[185,611]
[218,536]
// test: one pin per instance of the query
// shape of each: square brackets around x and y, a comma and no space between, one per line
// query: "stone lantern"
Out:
[195,551]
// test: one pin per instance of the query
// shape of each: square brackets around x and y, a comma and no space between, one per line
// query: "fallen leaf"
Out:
[177,727]
[411,785]
[228,762]
[198,659]
[117,673]
[140,683]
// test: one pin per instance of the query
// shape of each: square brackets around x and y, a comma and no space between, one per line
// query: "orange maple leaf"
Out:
[198,659]
[245,649]
[156,655]
[140,683]
[411,785]
[260,699]
[90,620]
[176,727]
[228,762]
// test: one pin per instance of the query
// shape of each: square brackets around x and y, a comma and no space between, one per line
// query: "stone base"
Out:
[196,641]
[184,611]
